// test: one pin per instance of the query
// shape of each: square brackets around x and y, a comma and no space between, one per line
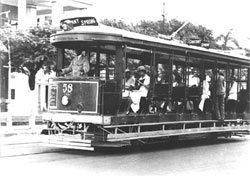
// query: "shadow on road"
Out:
[168,146]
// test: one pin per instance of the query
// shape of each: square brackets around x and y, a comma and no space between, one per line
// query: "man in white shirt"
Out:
[137,95]
[232,97]
[205,92]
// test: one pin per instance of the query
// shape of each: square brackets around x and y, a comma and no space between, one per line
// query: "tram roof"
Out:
[105,34]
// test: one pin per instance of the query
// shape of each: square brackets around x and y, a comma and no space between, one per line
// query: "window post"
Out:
[119,67]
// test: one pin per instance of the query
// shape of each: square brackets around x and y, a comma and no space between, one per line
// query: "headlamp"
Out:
[65,100]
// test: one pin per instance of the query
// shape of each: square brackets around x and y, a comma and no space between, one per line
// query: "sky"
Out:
[218,15]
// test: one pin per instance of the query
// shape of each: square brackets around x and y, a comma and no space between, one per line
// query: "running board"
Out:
[67,141]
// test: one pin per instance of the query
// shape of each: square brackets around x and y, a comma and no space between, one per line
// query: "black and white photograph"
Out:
[124,87]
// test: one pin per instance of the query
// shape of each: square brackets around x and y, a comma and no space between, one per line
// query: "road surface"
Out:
[224,157]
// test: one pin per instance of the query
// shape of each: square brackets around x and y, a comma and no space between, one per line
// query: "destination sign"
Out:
[79,21]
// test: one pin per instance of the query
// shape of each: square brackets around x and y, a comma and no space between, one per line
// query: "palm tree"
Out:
[226,39]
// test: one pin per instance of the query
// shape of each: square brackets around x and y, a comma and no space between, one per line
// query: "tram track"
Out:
[194,157]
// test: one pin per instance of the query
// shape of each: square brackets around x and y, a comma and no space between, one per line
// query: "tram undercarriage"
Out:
[87,136]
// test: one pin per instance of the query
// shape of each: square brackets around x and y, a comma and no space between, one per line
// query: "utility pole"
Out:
[163,18]
[9,120]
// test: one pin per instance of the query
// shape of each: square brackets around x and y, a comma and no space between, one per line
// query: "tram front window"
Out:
[85,63]
[78,63]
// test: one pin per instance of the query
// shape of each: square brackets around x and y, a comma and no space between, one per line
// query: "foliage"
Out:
[30,51]
[226,39]
[154,28]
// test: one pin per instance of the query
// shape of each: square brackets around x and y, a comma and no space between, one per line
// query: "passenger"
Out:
[178,94]
[220,87]
[232,97]
[79,66]
[137,95]
[205,92]
[129,83]
[177,79]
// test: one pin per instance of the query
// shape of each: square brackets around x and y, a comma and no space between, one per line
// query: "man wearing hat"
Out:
[220,86]
[79,66]
[137,95]
[129,83]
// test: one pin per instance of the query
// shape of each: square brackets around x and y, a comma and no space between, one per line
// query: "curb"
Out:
[21,130]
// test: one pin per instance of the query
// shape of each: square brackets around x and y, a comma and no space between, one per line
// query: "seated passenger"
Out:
[129,83]
[177,95]
[142,92]
[79,66]
[232,97]
[177,80]
[205,92]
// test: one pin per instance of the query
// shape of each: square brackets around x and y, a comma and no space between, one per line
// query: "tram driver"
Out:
[79,66]
[138,97]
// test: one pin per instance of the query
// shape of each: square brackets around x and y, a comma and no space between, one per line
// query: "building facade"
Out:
[38,12]
[23,14]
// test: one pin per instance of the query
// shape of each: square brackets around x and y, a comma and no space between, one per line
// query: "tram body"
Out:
[89,112]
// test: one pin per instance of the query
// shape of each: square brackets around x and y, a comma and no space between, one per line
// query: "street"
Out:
[223,157]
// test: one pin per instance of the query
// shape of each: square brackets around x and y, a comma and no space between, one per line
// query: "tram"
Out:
[88,112]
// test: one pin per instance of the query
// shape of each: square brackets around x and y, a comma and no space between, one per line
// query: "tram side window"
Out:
[178,90]
[193,79]
[132,65]
[242,90]
[92,61]
[205,103]
[131,75]
[178,76]
[163,73]
[162,85]
[102,67]
[69,55]
[243,78]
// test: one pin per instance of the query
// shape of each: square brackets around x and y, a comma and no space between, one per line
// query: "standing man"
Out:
[220,87]
[79,66]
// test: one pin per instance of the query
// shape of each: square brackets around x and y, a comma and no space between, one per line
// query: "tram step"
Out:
[68,141]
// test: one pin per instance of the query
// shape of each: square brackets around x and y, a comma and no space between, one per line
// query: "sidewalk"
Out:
[21,130]
[17,135]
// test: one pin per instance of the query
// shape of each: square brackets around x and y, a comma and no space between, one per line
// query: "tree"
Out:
[30,51]
[117,24]
[226,39]
[154,28]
